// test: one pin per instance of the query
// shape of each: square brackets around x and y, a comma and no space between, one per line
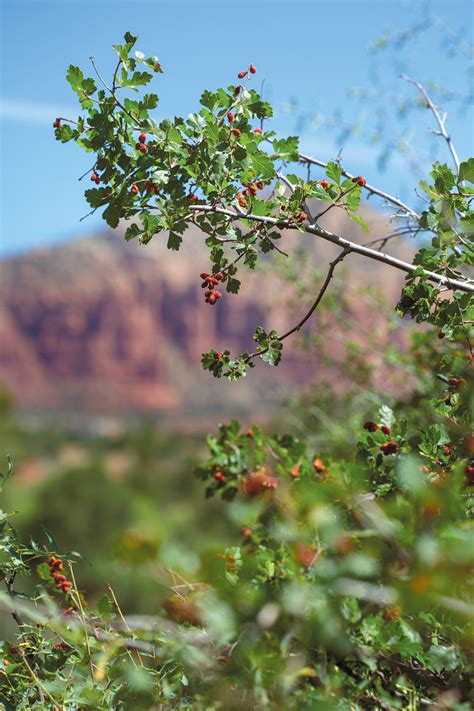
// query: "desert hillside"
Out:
[100,325]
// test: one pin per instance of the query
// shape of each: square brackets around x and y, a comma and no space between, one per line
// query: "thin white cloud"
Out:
[33,112]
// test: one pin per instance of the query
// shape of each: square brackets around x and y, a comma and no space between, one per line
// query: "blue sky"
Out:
[310,55]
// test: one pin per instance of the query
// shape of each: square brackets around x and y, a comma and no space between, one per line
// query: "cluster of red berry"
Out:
[151,187]
[388,447]
[95,178]
[456,383]
[231,118]
[252,69]
[249,189]
[140,145]
[373,427]
[258,482]
[210,282]
[230,115]
[361,182]
[55,566]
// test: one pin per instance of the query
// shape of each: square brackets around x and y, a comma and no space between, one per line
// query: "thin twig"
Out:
[335,202]
[369,188]
[15,613]
[114,94]
[84,622]
[120,613]
[441,120]
[313,308]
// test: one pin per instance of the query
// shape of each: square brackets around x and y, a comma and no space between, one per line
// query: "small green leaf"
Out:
[466,170]
[174,241]
[334,172]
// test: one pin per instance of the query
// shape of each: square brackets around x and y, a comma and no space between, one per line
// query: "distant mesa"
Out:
[101,325]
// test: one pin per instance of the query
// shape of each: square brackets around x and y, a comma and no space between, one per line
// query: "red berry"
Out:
[134,189]
[260,185]
[94,177]
[142,137]
[236,132]
[230,116]
[441,335]
[385,429]
[359,180]
[252,69]
[257,482]
[302,217]
[57,123]
[241,75]
[249,433]
[218,276]
[246,531]
[257,130]
[389,448]
[218,355]
[319,466]
[469,472]
[295,471]
[204,275]
[237,90]
[370,426]
[324,184]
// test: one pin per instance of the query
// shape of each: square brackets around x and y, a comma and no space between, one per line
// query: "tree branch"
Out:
[462,285]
